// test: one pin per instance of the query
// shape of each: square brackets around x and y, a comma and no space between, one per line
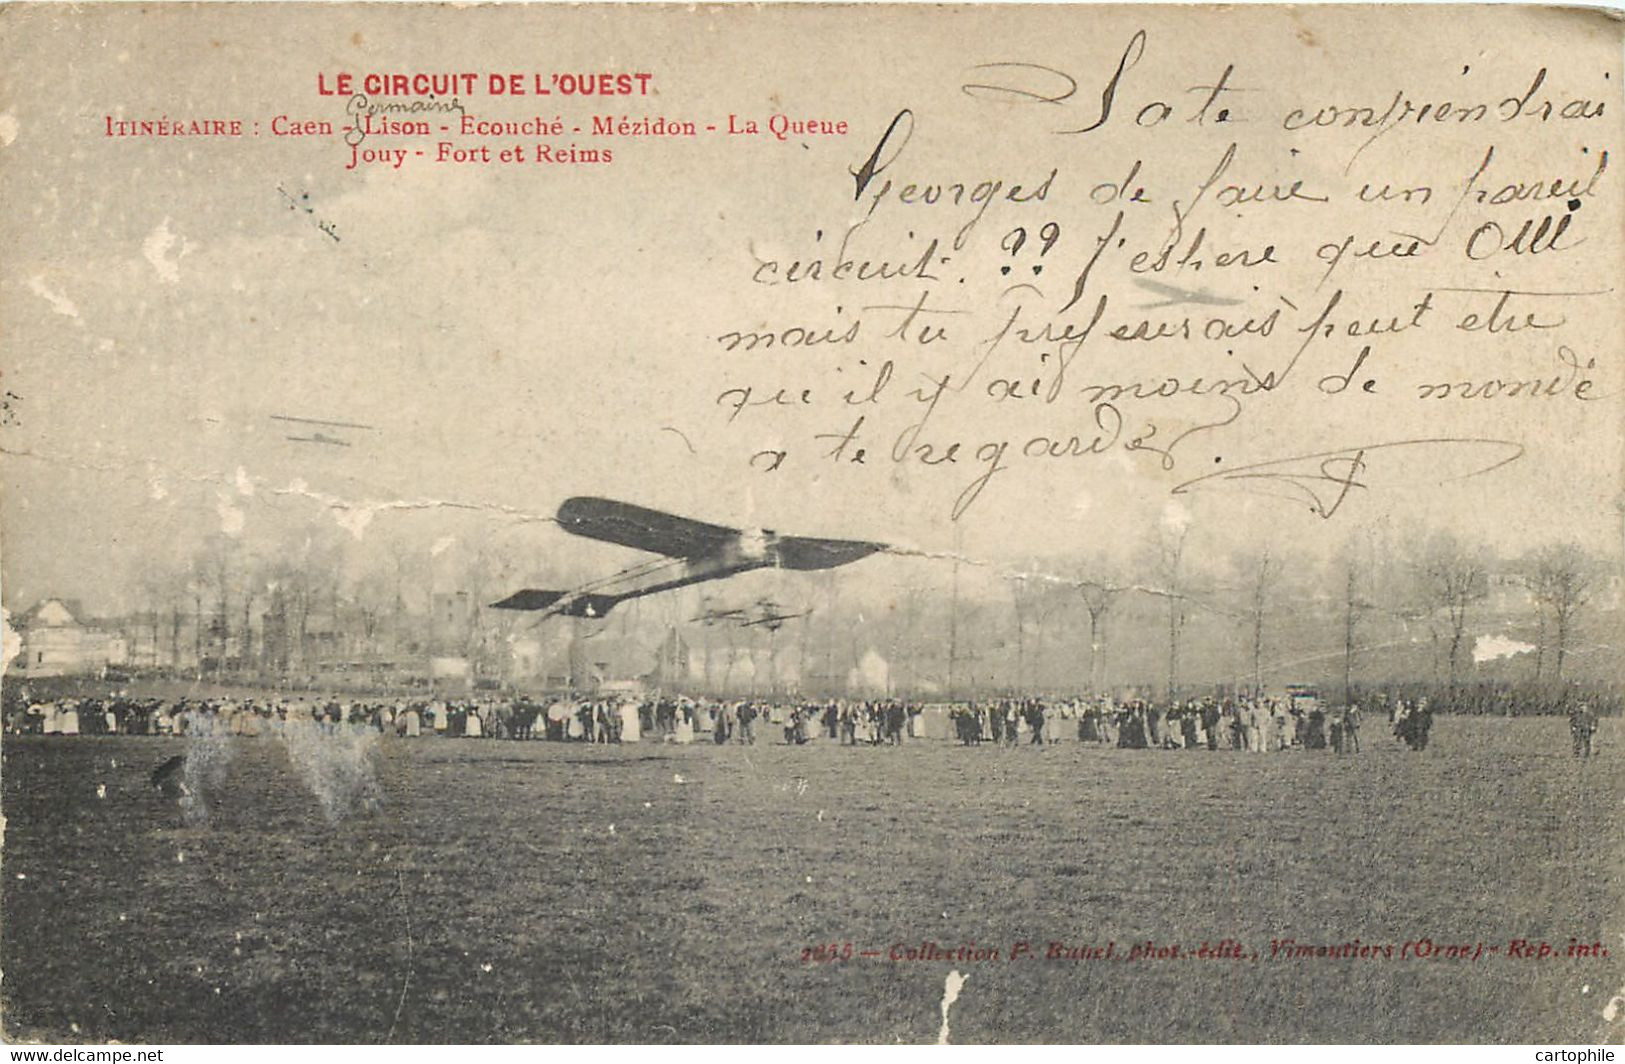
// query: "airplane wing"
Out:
[802,552]
[773,621]
[577,605]
[700,551]
[529,599]
[642,529]
[714,616]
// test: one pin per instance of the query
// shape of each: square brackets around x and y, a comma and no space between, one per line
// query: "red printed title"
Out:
[591,83]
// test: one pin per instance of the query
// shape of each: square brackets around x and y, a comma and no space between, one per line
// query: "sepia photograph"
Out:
[812,523]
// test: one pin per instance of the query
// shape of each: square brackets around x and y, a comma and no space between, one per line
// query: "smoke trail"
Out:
[335,764]
[209,750]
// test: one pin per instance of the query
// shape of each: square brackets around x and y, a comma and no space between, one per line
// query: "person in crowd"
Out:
[1423,715]
[896,720]
[1034,714]
[1351,729]
[1213,717]
[849,724]
[1281,726]
[1106,714]
[1314,728]
[1582,726]
[1190,723]
[632,722]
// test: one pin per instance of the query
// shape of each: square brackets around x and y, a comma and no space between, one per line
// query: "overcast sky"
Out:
[514,336]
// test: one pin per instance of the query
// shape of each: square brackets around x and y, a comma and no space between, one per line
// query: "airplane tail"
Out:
[560,602]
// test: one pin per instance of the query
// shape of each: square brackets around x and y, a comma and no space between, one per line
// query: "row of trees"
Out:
[1258,617]
[1439,583]
[318,598]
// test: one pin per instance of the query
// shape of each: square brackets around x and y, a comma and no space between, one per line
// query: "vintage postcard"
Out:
[643,524]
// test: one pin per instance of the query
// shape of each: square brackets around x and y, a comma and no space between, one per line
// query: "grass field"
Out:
[490,901]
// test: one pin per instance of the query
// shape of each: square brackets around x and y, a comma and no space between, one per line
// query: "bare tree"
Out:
[1353,572]
[306,567]
[250,584]
[905,613]
[1561,583]
[1450,579]
[1168,563]
[730,640]
[376,598]
[401,562]
[1026,589]
[1056,597]
[1259,572]
[1099,588]
[210,584]
[486,645]
[161,589]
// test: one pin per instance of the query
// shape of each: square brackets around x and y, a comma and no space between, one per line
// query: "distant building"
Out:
[55,643]
[147,638]
[451,621]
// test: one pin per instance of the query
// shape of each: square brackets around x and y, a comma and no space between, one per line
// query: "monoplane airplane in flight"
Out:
[692,552]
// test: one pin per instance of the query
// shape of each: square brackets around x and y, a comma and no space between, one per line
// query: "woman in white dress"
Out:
[685,724]
[473,727]
[630,728]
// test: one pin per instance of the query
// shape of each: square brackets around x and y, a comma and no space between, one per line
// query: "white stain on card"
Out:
[157,247]
[355,521]
[232,519]
[60,303]
[11,642]
[950,994]
[1491,647]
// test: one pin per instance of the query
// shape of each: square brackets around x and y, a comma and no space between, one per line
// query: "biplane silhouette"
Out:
[765,613]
